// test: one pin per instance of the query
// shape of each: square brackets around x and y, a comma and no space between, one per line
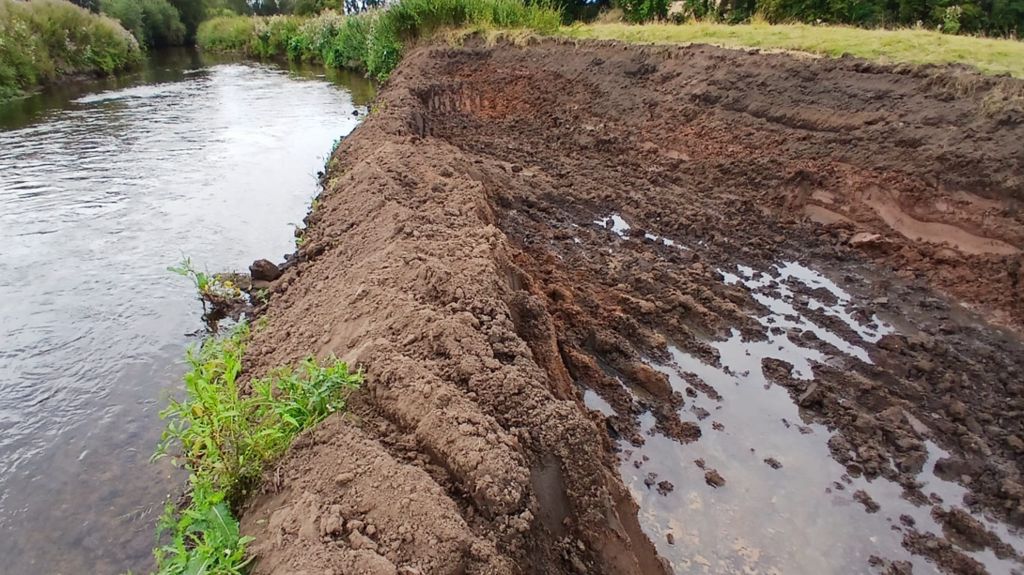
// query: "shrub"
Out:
[311,7]
[227,34]
[315,37]
[154,23]
[644,10]
[350,47]
[42,40]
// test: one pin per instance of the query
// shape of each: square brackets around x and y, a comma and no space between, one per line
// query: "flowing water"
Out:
[101,188]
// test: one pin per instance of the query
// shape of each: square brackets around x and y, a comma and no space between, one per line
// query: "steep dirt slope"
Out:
[455,255]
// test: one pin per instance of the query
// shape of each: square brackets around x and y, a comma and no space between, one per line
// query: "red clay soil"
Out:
[453,255]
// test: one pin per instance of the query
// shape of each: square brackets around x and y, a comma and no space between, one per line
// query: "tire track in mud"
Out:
[519,233]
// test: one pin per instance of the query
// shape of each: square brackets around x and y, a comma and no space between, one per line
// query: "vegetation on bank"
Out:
[999,18]
[154,23]
[916,46]
[223,433]
[43,40]
[371,41]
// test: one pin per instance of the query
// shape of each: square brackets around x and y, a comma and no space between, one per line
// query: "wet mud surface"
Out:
[638,310]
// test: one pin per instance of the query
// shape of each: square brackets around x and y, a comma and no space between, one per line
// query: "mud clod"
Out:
[713,478]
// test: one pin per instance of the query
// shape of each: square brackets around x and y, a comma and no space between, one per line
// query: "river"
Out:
[102,187]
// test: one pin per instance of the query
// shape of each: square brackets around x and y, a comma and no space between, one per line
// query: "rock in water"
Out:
[264,270]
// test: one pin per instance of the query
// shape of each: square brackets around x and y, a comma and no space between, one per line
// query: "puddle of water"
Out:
[621,228]
[594,401]
[786,506]
[772,291]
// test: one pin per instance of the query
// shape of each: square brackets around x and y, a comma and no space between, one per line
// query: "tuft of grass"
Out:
[915,46]
[223,434]
[44,40]
[372,41]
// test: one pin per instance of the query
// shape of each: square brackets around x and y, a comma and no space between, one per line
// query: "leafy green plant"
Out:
[210,287]
[223,434]
[951,19]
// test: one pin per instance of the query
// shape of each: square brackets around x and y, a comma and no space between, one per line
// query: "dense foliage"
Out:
[154,23]
[42,40]
[372,41]
[992,17]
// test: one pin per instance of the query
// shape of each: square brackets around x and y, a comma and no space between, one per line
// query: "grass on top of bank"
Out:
[372,41]
[223,433]
[915,46]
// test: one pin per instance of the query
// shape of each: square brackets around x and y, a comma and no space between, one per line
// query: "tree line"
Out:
[1002,18]
[157,23]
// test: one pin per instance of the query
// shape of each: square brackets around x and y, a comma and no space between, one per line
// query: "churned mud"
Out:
[644,310]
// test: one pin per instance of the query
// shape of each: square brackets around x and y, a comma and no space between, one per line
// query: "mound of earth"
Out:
[454,255]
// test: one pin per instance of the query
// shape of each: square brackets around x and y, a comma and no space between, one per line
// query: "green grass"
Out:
[991,56]
[223,434]
[44,40]
[372,41]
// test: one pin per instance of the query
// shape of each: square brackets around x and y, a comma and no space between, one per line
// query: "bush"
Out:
[154,23]
[227,34]
[644,10]
[372,41]
[43,40]
[311,7]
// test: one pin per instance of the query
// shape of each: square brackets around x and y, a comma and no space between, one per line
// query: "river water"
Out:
[101,188]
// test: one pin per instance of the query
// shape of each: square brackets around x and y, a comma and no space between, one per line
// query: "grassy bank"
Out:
[223,435]
[372,41]
[992,56]
[44,40]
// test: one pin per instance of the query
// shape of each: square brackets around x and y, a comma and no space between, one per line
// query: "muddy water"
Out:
[99,192]
[785,506]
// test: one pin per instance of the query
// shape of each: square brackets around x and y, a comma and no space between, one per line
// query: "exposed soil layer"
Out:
[454,254]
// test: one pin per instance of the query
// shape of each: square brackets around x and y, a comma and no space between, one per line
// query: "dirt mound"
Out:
[513,227]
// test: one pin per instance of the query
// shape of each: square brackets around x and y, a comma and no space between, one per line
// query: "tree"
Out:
[191,12]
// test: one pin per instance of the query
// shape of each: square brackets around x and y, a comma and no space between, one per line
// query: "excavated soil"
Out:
[541,256]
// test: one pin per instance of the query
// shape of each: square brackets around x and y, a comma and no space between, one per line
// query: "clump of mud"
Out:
[573,270]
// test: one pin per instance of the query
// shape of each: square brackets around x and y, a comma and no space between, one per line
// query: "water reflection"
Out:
[101,188]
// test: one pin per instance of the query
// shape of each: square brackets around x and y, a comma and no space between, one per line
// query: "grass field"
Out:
[991,56]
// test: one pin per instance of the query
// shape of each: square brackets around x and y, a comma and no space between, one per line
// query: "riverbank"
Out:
[46,41]
[606,337]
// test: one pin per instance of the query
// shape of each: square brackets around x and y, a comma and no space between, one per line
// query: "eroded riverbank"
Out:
[630,310]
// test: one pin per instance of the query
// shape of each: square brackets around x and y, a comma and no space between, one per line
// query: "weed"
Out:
[262,296]
[212,289]
[223,436]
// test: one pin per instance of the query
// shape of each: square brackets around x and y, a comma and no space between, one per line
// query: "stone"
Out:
[264,270]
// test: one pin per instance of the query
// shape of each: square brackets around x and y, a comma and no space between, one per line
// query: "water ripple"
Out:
[96,200]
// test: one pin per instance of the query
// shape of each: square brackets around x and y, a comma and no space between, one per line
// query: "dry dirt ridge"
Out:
[454,253]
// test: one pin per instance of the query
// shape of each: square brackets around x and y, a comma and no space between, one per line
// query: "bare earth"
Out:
[622,307]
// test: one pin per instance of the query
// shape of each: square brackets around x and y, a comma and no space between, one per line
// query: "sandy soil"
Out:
[454,254]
